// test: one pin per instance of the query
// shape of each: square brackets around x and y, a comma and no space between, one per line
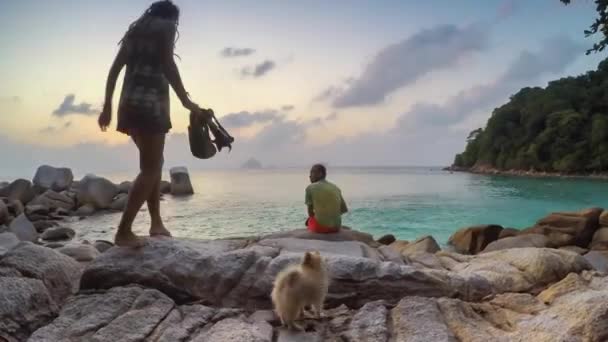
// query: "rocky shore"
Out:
[486,170]
[548,282]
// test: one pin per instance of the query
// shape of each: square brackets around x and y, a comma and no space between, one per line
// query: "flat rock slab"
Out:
[348,248]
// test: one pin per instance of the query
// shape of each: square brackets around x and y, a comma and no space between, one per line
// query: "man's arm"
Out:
[308,201]
[343,207]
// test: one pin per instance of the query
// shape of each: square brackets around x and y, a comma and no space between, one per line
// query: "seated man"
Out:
[325,203]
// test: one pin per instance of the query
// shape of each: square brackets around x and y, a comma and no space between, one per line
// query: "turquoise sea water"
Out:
[407,202]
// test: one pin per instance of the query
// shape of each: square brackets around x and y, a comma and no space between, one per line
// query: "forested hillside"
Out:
[561,128]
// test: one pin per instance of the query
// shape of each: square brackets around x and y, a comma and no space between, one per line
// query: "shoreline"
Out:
[527,173]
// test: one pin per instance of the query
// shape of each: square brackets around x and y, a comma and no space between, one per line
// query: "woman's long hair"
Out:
[164,9]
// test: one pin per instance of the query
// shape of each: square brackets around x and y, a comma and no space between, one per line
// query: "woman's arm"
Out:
[119,62]
[170,69]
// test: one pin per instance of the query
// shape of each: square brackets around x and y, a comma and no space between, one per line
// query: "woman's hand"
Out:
[105,117]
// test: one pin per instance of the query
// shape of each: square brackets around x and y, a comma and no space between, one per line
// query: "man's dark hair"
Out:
[321,169]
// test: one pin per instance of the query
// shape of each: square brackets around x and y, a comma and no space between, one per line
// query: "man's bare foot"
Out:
[159,230]
[128,240]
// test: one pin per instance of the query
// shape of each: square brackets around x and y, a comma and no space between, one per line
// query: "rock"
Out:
[3,213]
[80,252]
[425,244]
[520,241]
[387,239]
[85,210]
[418,319]
[57,179]
[399,245]
[236,275]
[54,200]
[349,248]
[20,189]
[23,228]
[58,233]
[37,209]
[599,260]
[563,229]
[120,202]
[424,260]
[15,207]
[508,232]
[575,249]
[341,235]
[165,187]
[8,241]
[369,323]
[237,329]
[102,245]
[180,181]
[96,191]
[474,239]
[125,314]
[25,305]
[124,187]
[59,273]
[54,245]
[600,239]
[41,226]
[603,220]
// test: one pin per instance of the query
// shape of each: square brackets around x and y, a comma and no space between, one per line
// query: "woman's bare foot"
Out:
[159,229]
[128,239]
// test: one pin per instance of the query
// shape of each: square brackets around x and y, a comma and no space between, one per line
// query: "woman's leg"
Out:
[156,225]
[150,163]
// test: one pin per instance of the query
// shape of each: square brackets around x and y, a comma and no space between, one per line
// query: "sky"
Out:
[352,83]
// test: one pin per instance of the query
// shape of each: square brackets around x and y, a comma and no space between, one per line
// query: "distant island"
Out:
[558,130]
[252,164]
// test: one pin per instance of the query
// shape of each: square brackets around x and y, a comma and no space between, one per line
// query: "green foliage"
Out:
[561,128]
[599,25]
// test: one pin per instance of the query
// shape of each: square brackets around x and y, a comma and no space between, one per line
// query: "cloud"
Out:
[10,99]
[332,117]
[68,107]
[245,118]
[52,129]
[552,58]
[229,52]
[258,70]
[507,9]
[402,64]
[287,108]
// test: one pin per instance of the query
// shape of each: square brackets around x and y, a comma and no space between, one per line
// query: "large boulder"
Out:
[521,241]
[85,210]
[568,228]
[3,213]
[120,202]
[20,189]
[473,240]
[23,228]
[8,241]
[125,187]
[425,244]
[341,235]
[508,232]
[53,200]
[34,283]
[600,239]
[236,273]
[57,179]
[96,191]
[603,220]
[386,239]
[180,181]
[598,260]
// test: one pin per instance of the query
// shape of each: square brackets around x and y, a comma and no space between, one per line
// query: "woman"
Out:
[147,50]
